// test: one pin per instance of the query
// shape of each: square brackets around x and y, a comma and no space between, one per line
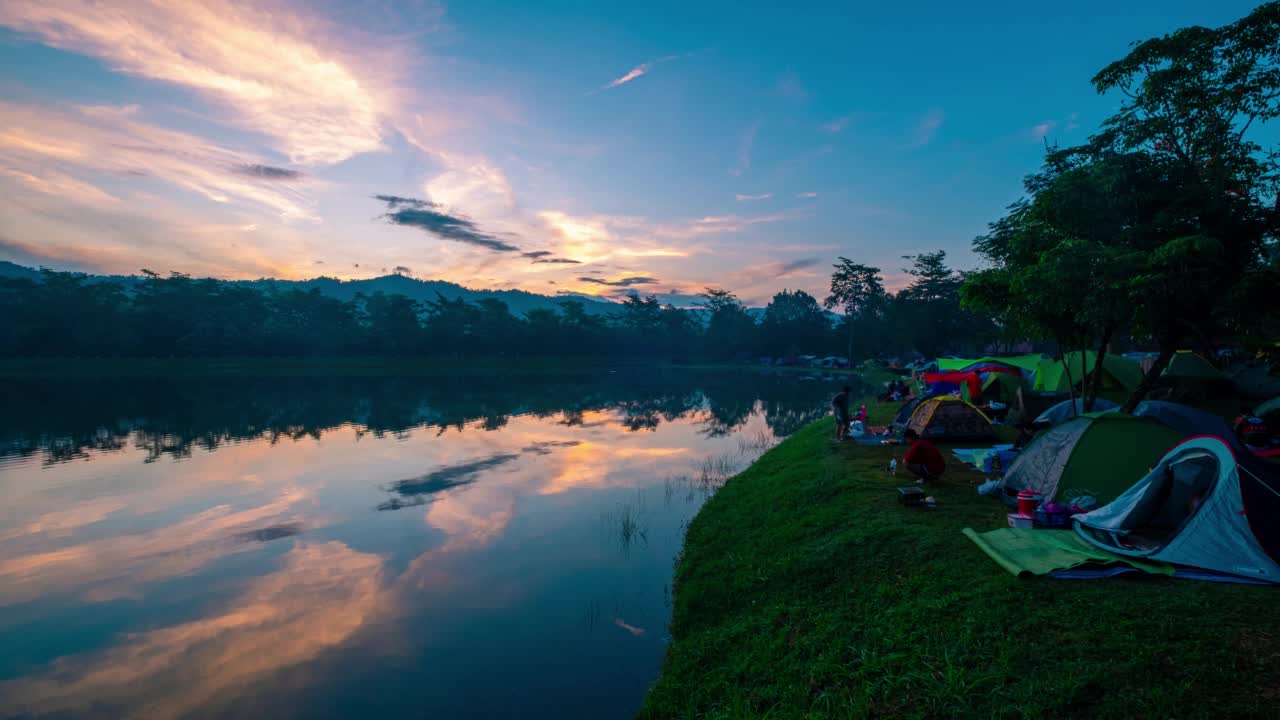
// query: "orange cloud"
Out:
[264,67]
[113,140]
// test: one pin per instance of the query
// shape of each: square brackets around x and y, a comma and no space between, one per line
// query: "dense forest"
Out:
[72,315]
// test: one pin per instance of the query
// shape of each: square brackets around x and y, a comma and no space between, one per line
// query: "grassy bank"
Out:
[805,590]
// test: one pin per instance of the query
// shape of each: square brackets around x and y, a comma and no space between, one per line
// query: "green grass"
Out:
[806,591]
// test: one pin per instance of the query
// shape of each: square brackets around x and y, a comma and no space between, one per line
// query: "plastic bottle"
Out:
[893,466]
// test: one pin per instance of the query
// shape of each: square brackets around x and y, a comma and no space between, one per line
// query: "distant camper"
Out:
[840,408]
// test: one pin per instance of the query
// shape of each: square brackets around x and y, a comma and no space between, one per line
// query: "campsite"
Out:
[806,583]
[682,361]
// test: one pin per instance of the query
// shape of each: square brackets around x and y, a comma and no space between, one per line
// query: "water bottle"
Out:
[893,466]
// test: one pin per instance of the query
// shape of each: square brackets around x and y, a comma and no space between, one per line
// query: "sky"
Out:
[556,147]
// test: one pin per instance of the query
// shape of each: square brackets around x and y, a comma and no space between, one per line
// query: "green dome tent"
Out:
[1026,363]
[998,386]
[1188,365]
[1118,373]
[1097,454]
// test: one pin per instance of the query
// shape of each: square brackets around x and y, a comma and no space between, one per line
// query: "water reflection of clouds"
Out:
[325,593]
[118,566]
[322,595]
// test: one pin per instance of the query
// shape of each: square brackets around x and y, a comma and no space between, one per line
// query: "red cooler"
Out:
[1028,501]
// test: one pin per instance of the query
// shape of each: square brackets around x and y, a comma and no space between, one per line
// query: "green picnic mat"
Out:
[1040,552]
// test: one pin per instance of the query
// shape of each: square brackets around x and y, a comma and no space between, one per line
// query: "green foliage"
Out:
[1163,225]
[731,331]
[806,591]
[794,323]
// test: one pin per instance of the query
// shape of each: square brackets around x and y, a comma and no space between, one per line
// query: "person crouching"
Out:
[923,458]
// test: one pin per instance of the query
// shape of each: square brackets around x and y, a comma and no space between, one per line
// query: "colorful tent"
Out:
[999,386]
[1269,411]
[1188,365]
[1097,454]
[949,382]
[904,413]
[949,418]
[1202,506]
[1062,412]
[1026,363]
[1118,373]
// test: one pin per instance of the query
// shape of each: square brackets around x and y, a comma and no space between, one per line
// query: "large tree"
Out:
[1190,102]
[731,331]
[858,290]
[794,322]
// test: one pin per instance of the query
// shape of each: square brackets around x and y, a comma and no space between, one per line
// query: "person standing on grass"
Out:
[840,407]
[923,458]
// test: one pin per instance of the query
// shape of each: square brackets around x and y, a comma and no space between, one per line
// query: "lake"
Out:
[485,545]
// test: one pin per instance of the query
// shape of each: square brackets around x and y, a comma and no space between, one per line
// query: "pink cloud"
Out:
[928,126]
[639,71]
[271,72]
[1040,131]
[746,144]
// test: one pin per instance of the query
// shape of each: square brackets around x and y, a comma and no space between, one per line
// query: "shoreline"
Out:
[804,590]
[357,365]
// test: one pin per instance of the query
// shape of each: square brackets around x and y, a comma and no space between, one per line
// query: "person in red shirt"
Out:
[923,458]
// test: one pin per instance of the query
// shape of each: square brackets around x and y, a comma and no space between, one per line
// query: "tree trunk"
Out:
[848,321]
[1151,378]
[1066,370]
[1095,381]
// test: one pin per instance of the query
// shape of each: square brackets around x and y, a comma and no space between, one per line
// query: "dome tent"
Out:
[1062,412]
[1026,363]
[1188,365]
[949,418]
[1002,387]
[1203,506]
[1188,420]
[1118,373]
[1097,454]
[1269,411]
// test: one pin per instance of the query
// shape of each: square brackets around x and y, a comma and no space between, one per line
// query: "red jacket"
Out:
[923,452]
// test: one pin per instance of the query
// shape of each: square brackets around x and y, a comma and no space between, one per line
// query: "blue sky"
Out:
[553,146]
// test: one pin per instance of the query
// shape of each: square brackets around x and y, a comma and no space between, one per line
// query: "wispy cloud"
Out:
[715,224]
[927,128]
[806,195]
[638,71]
[746,144]
[544,257]
[259,171]
[789,86]
[837,125]
[749,198]
[61,142]
[434,219]
[784,269]
[1038,132]
[1073,121]
[624,282]
[265,68]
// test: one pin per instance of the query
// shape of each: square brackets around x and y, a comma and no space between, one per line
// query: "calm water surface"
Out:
[474,546]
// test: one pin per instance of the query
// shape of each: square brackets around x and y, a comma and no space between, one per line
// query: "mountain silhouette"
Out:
[518,302]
